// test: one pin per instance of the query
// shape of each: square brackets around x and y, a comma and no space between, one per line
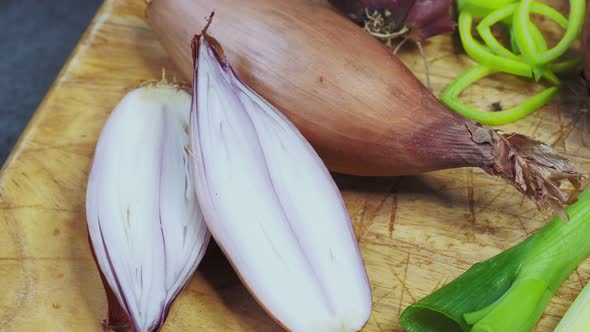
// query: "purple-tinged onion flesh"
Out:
[271,204]
[146,229]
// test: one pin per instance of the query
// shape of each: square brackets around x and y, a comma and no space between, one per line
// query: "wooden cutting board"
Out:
[416,233]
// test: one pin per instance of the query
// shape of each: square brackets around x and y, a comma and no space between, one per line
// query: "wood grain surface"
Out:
[416,233]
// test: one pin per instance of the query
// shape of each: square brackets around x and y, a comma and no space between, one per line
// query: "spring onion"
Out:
[481,8]
[484,55]
[529,57]
[485,32]
[573,30]
[510,291]
[449,98]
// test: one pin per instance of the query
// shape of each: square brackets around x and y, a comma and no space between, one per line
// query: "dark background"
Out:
[36,38]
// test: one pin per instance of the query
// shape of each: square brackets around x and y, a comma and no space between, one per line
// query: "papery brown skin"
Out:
[362,109]
[350,105]
[117,319]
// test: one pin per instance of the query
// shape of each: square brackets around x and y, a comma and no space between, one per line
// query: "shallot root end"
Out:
[164,83]
[532,167]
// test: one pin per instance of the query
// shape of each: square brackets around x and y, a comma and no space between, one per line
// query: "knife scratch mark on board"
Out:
[526,233]
[370,211]
[470,199]
[376,322]
[405,288]
[24,293]
[393,213]
[489,203]
[439,284]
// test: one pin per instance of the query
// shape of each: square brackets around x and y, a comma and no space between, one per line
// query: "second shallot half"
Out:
[271,204]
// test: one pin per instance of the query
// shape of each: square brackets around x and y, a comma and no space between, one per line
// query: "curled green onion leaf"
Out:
[450,98]
[524,38]
[484,56]
[529,57]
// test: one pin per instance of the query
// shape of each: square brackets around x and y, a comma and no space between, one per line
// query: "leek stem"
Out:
[510,291]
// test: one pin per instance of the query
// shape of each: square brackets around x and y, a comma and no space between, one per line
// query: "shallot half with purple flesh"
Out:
[271,204]
[146,229]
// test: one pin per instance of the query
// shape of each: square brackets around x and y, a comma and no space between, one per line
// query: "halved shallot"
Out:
[271,204]
[146,229]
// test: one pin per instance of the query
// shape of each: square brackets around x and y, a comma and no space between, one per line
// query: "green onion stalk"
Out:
[450,98]
[481,8]
[530,56]
[510,291]
[523,33]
